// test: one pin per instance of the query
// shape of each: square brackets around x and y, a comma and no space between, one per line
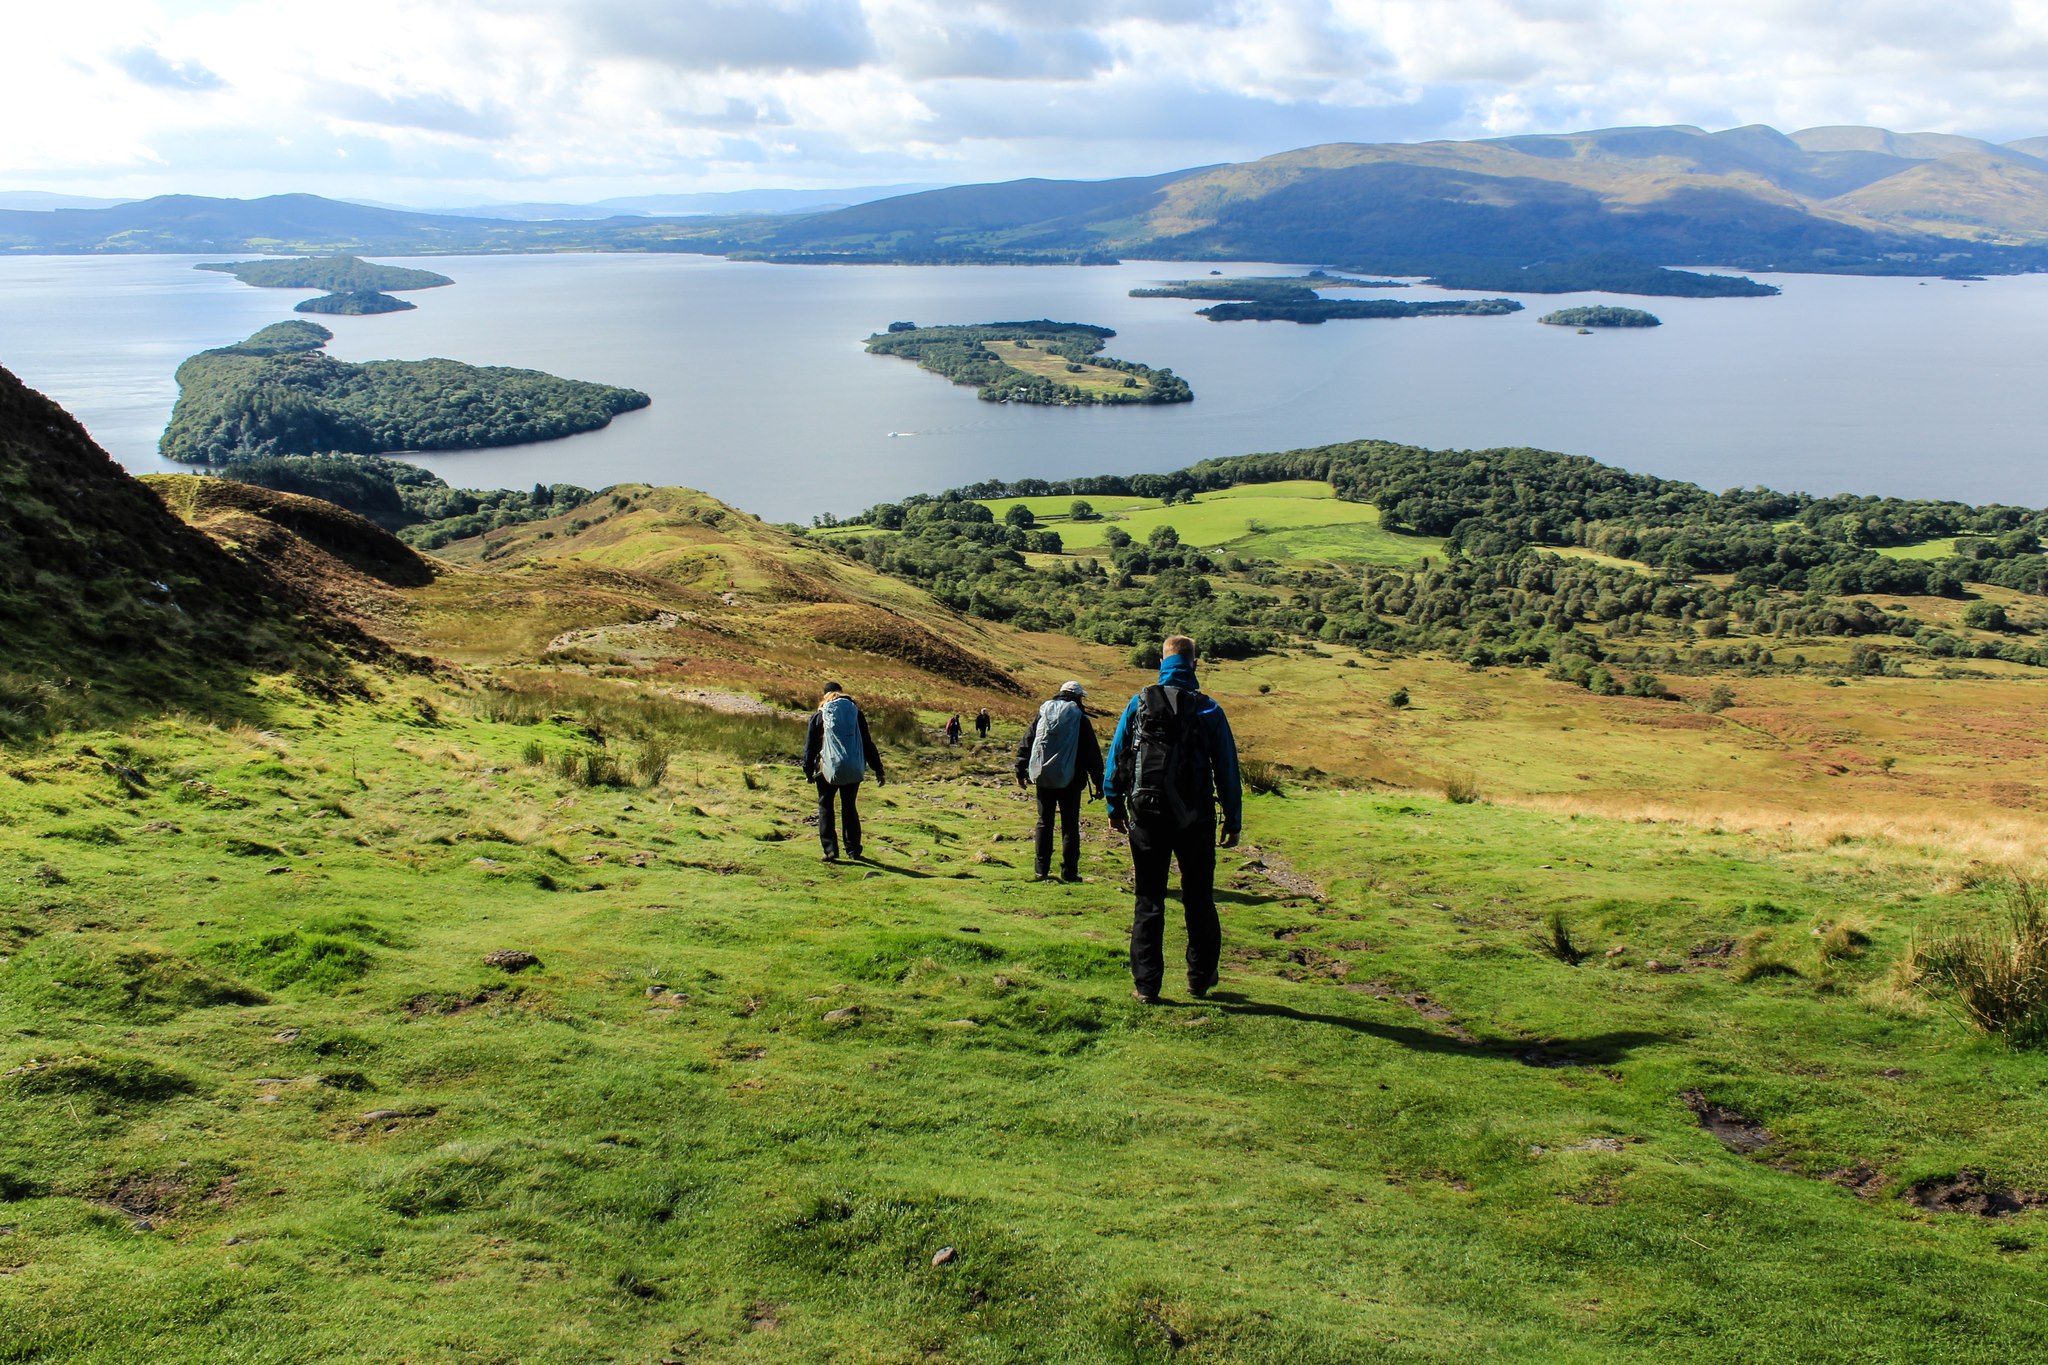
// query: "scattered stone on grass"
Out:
[1616,951]
[1967,1191]
[510,959]
[845,1015]
[944,1256]
[1736,1132]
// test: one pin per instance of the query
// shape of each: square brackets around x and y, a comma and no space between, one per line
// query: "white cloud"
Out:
[429,99]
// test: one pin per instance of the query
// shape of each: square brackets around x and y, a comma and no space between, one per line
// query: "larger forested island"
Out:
[1052,363]
[335,274]
[279,393]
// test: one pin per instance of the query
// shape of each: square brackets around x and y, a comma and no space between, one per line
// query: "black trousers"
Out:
[1154,850]
[1066,802]
[849,813]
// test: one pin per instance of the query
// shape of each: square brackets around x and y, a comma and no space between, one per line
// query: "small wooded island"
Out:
[356,302]
[279,393]
[354,286]
[1601,315]
[1051,363]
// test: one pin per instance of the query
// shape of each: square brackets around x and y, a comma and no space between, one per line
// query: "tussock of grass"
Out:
[1556,941]
[1997,973]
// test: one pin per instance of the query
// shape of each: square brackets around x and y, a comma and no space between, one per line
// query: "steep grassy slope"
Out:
[106,599]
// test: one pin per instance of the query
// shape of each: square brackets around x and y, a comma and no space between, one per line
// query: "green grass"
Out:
[655,1144]
[1300,519]
[1941,547]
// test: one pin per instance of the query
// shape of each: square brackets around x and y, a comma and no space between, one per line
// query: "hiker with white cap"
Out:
[1060,756]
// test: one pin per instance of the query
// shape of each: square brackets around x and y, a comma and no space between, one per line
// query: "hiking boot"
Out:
[854,854]
[829,857]
[1201,990]
[1144,999]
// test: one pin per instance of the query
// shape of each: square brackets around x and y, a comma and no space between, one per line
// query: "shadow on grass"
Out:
[898,869]
[1600,1049]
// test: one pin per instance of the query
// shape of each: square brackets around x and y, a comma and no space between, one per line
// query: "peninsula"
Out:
[1315,309]
[1260,288]
[1055,364]
[279,393]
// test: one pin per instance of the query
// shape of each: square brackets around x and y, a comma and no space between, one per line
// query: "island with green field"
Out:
[1314,309]
[279,393]
[1601,315]
[1057,364]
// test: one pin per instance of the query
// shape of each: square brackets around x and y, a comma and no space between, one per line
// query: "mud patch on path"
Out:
[1736,1132]
[1281,874]
[1967,1191]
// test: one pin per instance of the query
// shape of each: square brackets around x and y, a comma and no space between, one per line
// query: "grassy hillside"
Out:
[257,1061]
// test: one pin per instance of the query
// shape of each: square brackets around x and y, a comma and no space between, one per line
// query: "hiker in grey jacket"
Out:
[838,750]
[1172,767]
[1069,761]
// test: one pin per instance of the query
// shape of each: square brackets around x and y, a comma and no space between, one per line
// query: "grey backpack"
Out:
[1056,743]
[843,761]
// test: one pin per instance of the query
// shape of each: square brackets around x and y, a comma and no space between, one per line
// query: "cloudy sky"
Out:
[446,101]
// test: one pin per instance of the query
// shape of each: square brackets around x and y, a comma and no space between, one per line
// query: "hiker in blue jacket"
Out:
[838,751]
[1060,756]
[1172,762]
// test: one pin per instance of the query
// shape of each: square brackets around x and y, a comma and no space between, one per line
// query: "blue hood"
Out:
[1177,671]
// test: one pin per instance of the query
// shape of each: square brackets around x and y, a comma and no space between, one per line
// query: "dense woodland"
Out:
[1797,566]
[335,274]
[355,303]
[277,393]
[416,503]
[1314,309]
[1601,315]
[959,353]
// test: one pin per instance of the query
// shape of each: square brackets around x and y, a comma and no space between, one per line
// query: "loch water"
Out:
[764,396]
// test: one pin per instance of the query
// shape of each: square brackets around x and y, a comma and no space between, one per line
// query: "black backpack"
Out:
[1165,768]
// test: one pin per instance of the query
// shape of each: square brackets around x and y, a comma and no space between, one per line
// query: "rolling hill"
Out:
[1836,198]
[1864,200]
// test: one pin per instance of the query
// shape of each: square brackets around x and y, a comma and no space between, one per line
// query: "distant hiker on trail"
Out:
[953,728]
[1059,756]
[838,751]
[981,723]
[1172,761]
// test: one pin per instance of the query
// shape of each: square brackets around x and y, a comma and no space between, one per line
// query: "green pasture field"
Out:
[261,1099]
[1300,519]
[1941,547]
[1033,360]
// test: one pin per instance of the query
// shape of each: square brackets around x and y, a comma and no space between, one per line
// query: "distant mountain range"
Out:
[1863,200]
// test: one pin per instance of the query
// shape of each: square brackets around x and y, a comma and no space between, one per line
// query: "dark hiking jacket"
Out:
[1213,727]
[1087,754]
[814,744]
